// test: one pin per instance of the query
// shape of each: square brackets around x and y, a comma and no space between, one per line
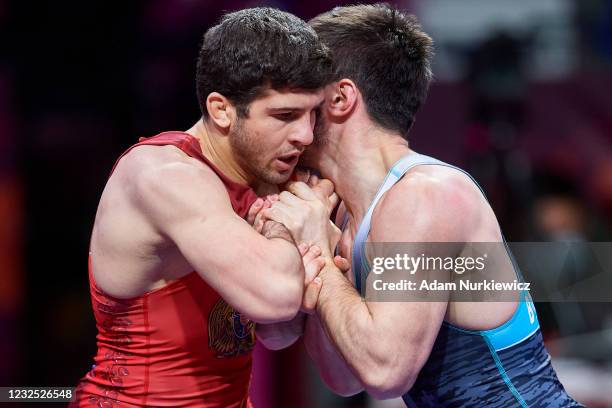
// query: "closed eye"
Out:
[285,116]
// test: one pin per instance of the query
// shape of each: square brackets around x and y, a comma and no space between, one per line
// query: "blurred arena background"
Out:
[522,100]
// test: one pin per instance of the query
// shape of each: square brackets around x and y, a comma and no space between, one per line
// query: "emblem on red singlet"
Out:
[229,333]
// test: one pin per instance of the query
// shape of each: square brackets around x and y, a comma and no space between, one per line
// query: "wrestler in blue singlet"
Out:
[504,367]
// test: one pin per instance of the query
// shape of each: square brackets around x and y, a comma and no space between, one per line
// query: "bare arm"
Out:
[283,334]
[309,223]
[334,370]
[387,343]
[261,276]
[332,367]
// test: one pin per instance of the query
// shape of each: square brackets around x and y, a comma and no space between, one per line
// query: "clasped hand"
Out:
[305,209]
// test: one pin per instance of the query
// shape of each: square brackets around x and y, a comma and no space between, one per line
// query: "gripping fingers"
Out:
[259,222]
[279,213]
[303,249]
[313,180]
[324,188]
[312,263]
[260,217]
[333,200]
[272,198]
[254,210]
[301,190]
[289,199]
[311,295]
[342,263]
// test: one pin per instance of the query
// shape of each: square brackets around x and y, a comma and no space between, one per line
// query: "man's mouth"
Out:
[287,162]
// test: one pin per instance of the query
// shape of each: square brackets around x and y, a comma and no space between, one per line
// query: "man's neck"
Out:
[217,150]
[358,163]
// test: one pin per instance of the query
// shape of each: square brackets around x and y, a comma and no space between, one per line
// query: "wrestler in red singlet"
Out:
[179,345]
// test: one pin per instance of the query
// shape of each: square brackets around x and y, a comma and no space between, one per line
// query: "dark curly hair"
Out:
[258,48]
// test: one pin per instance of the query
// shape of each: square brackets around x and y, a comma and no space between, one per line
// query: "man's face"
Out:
[278,127]
[322,133]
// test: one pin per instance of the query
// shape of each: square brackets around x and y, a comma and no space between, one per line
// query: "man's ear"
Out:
[220,110]
[344,98]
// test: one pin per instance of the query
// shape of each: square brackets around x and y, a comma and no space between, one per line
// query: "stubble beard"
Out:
[250,156]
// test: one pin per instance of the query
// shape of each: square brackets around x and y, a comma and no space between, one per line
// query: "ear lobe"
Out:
[220,110]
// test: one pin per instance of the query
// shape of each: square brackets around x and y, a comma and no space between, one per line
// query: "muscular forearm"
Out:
[364,343]
[279,287]
[283,250]
[333,369]
[345,317]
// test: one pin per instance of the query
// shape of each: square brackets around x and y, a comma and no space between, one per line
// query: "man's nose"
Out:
[303,132]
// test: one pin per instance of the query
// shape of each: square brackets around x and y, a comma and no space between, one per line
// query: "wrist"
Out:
[329,269]
[327,254]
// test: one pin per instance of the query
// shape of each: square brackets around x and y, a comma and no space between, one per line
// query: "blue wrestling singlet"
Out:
[507,366]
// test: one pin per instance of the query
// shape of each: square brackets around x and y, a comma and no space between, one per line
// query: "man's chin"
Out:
[276,177]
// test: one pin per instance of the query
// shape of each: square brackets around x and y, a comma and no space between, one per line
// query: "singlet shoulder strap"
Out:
[523,323]
[396,172]
[183,141]
[241,196]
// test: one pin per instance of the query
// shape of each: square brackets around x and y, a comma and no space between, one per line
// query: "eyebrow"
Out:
[285,108]
[294,108]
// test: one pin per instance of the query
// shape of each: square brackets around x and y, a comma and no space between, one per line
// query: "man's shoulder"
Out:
[147,158]
[151,175]
[434,200]
[159,165]
[437,181]
[432,185]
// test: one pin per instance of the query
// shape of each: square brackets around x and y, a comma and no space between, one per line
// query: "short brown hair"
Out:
[386,53]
